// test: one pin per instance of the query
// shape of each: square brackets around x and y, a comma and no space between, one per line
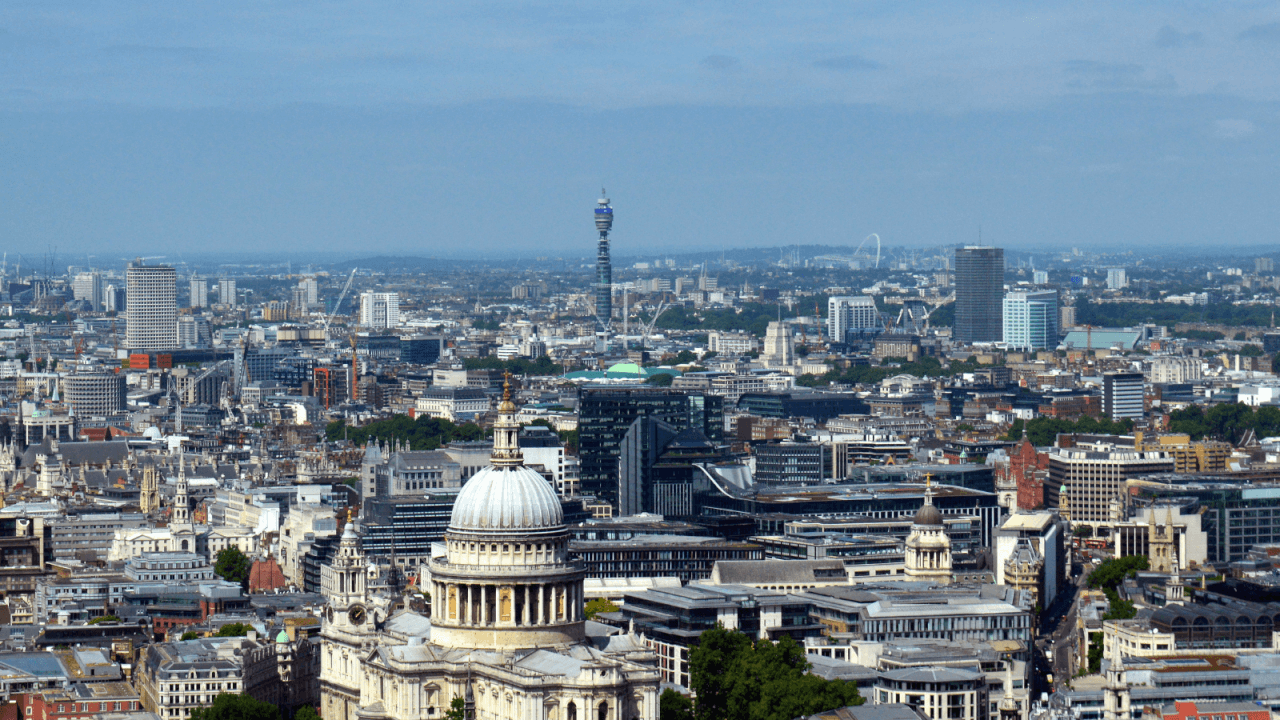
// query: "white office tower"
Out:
[227,292]
[379,310]
[1040,277]
[851,314]
[114,299]
[87,286]
[199,292]
[778,347]
[1031,320]
[1117,279]
[153,307]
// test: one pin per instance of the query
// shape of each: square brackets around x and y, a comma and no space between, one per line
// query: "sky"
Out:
[487,129]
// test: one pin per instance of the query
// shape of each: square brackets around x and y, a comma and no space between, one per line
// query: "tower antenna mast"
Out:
[604,268]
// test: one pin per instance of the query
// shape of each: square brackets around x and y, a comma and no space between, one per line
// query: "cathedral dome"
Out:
[928,515]
[506,499]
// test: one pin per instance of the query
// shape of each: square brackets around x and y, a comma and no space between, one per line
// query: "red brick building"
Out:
[266,576]
[81,701]
[1182,710]
[1024,462]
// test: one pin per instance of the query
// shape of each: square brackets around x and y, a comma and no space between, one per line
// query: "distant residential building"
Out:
[1031,320]
[227,292]
[1067,316]
[1263,265]
[979,294]
[310,294]
[1175,369]
[1117,279]
[1040,277]
[152,314]
[852,315]
[199,293]
[379,309]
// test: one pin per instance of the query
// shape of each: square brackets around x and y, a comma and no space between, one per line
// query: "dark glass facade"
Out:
[979,295]
[606,414]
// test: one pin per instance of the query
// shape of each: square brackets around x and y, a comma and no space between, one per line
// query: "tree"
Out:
[306,712]
[733,678]
[457,710]
[234,630]
[659,379]
[599,605]
[232,565]
[189,635]
[674,706]
[228,706]
[105,619]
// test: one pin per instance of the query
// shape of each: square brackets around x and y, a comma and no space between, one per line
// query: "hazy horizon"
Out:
[471,130]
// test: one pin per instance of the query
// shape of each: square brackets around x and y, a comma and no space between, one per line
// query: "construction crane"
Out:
[338,304]
[647,328]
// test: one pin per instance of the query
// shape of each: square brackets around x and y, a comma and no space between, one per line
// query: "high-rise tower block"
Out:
[604,269]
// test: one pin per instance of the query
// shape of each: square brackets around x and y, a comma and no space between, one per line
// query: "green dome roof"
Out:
[283,637]
[627,369]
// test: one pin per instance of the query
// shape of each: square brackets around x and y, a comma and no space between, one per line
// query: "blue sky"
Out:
[485,128]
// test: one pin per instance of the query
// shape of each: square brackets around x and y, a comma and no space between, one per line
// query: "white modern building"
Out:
[851,314]
[1117,279]
[152,309]
[87,286]
[1031,320]
[379,310]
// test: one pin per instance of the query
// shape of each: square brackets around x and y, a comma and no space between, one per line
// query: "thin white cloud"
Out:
[1233,129]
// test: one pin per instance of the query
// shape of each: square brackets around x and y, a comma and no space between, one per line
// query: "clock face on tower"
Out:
[356,615]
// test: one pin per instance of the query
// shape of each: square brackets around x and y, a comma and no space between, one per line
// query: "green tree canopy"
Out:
[229,706]
[234,630]
[1044,431]
[306,712]
[1226,421]
[734,678]
[189,635]
[457,710]
[674,706]
[421,433]
[232,565]
[599,605]
[1109,574]
[105,619]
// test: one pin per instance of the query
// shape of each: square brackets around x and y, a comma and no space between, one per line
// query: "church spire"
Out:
[181,507]
[506,431]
